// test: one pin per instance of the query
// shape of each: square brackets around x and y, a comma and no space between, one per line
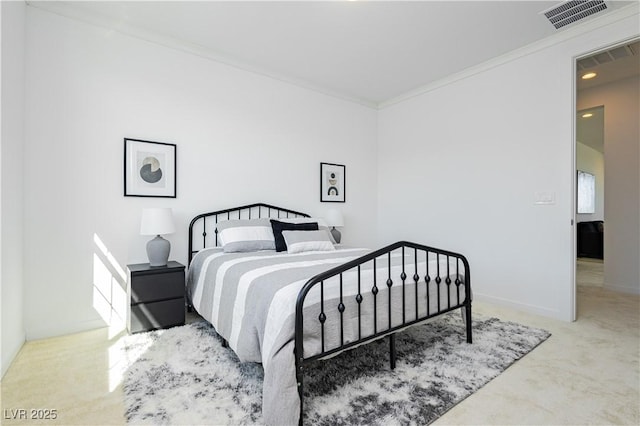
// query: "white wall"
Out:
[592,161]
[11,180]
[621,102]
[240,138]
[459,166]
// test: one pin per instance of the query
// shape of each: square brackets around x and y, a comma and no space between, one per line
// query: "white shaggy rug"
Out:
[184,376]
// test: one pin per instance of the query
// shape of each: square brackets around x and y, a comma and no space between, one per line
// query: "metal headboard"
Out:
[200,223]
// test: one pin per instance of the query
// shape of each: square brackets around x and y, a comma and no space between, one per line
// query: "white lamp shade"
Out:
[334,218]
[157,221]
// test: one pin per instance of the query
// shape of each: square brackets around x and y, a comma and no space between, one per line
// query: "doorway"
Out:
[590,196]
[605,132]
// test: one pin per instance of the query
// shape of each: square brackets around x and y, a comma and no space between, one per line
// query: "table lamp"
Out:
[334,218]
[157,221]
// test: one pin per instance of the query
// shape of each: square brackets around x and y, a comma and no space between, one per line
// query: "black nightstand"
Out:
[156,296]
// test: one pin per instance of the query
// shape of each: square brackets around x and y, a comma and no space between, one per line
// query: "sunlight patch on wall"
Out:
[101,290]
[109,288]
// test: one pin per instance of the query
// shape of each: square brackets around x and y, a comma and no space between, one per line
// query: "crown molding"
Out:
[111,24]
[562,36]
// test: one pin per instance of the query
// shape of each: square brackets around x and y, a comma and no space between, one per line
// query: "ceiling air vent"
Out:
[572,11]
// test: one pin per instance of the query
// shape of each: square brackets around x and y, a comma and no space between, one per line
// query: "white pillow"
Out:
[299,241]
[246,235]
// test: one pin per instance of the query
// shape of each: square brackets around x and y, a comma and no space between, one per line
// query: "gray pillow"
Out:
[299,241]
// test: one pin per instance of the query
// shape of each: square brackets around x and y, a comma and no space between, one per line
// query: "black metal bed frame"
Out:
[410,252]
[250,211]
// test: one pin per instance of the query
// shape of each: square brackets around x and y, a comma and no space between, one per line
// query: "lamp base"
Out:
[336,234]
[158,251]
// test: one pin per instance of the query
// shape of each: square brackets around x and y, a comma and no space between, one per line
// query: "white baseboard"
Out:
[9,355]
[55,330]
[533,309]
[623,289]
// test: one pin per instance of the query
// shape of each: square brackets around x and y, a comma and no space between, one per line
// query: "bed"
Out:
[313,300]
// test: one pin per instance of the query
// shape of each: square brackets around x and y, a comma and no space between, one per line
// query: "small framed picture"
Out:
[332,183]
[149,169]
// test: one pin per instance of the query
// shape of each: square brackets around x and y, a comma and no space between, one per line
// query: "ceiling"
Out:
[369,52]
[615,63]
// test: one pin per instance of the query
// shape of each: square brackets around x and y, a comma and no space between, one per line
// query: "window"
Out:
[586,192]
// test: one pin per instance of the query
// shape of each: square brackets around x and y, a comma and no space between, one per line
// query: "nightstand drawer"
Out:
[153,287]
[149,316]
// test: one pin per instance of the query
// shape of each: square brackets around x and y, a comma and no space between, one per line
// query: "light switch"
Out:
[544,197]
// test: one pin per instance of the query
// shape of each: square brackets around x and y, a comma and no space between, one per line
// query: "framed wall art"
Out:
[586,192]
[149,169]
[332,183]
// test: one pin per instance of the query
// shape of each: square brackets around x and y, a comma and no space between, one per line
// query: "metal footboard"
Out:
[414,274]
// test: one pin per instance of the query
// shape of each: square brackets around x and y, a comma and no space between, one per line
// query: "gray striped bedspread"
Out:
[250,299]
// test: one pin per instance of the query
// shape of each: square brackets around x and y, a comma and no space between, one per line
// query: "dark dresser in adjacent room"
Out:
[591,239]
